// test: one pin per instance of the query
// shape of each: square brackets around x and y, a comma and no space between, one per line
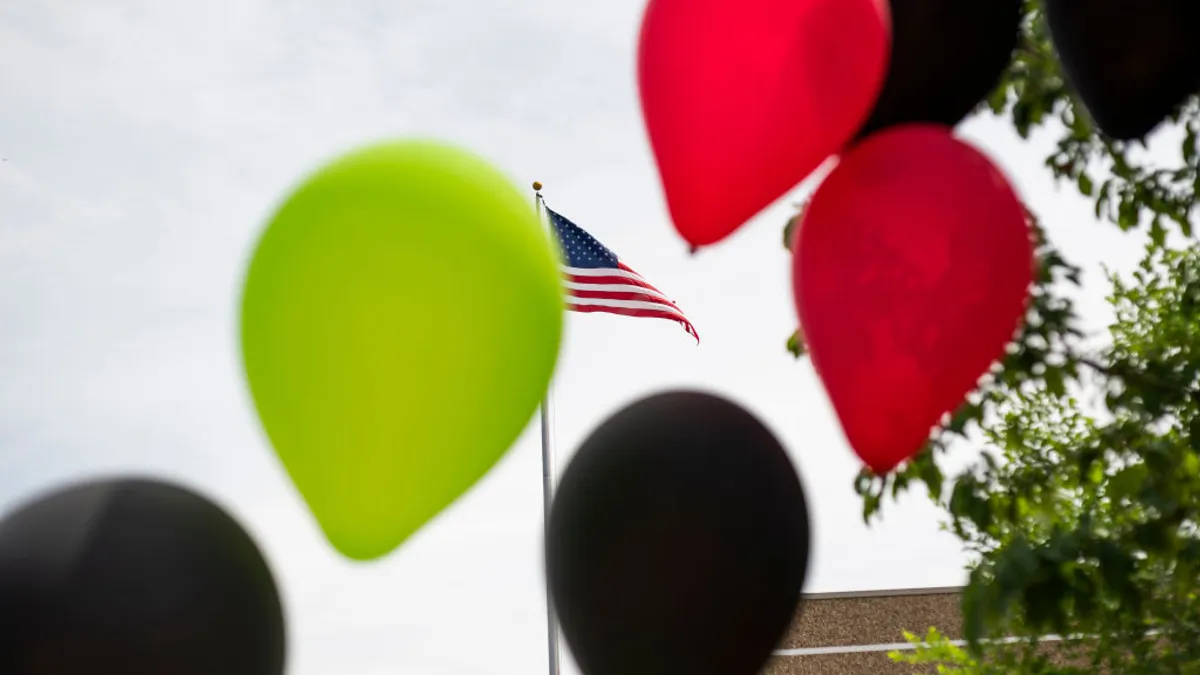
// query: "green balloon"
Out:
[401,321]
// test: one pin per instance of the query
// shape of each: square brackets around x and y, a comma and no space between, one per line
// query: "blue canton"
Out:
[580,248]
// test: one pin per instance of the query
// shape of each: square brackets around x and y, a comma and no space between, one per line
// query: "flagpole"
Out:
[547,490]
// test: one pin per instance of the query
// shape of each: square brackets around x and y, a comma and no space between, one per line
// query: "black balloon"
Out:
[134,577]
[1131,62]
[947,55]
[678,541]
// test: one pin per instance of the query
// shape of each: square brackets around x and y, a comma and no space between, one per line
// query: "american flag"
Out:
[597,281]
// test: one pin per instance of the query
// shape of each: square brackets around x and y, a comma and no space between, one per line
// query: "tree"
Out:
[1082,512]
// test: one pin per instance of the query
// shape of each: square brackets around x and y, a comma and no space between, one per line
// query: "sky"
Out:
[147,142]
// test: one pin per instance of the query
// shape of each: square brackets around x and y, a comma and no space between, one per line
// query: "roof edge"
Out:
[884,593]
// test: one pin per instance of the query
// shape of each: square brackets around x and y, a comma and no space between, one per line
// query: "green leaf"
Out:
[930,474]
[1157,234]
[1084,183]
[796,345]
[974,613]
[1127,214]
[1156,536]
[1043,602]
[789,231]
[1189,466]
[1117,568]
[1055,382]
[1127,482]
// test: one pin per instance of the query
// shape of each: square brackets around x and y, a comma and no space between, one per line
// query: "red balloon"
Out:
[742,100]
[911,273]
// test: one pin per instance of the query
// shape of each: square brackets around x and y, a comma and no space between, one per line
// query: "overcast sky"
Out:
[146,142]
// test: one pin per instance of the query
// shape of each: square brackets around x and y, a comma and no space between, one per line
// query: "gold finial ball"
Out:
[537,186]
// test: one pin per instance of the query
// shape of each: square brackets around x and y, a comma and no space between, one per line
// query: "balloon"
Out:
[947,55]
[1131,63]
[136,577]
[742,100]
[400,323]
[678,541]
[911,273]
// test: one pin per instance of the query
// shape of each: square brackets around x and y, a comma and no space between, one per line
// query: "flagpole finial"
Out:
[537,187]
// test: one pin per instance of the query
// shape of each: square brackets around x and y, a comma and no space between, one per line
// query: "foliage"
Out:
[1083,516]
[1088,525]
[1125,188]
[1004,657]
[1082,511]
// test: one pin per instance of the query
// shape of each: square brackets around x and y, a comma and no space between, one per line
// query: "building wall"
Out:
[851,633]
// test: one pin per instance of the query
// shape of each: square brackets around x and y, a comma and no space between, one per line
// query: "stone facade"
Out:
[851,633]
